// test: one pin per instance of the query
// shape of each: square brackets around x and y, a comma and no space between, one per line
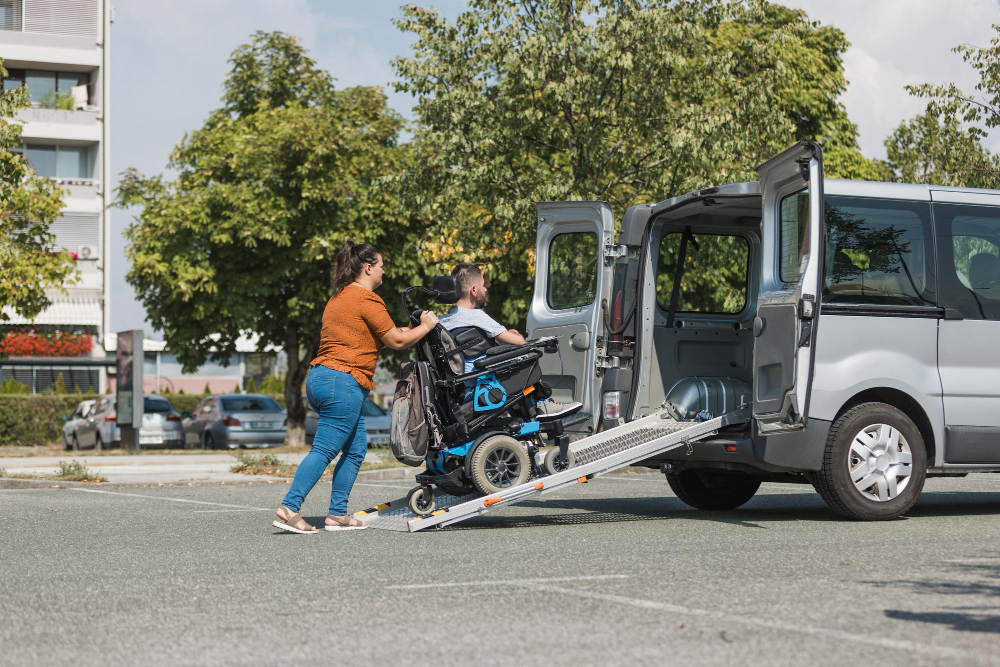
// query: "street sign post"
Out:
[129,403]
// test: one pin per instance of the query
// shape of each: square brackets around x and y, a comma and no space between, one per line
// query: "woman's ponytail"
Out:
[351,260]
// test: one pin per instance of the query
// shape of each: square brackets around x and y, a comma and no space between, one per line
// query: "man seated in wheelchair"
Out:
[472,408]
[475,331]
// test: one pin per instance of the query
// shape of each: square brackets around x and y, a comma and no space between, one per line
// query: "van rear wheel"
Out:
[708,491]
[874,465]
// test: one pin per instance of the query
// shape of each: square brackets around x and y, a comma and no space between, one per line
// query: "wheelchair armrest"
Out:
[514,353]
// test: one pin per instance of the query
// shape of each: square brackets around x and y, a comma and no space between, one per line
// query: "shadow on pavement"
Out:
[806,506]
[986,583]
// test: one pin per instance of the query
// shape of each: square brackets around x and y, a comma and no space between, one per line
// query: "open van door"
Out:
[573,274]
[791,274]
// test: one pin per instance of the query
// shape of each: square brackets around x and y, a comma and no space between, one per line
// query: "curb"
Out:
[400,472]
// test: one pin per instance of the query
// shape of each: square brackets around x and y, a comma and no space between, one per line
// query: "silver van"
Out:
[858,321]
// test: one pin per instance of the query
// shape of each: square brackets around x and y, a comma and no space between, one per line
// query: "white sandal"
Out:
[288,524]
[346,522]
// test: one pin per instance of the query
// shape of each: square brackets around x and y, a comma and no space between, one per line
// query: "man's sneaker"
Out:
[550,409]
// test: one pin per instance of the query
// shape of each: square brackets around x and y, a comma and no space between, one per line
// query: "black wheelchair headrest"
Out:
[446,289]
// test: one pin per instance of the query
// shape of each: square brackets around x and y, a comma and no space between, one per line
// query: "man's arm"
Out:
[511,336]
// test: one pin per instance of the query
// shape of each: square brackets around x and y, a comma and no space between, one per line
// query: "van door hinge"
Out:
[613,252]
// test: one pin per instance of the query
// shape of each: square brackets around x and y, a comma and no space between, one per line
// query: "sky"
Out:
[168,62]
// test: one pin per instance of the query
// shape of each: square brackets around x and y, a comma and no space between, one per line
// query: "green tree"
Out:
[809,84]
[207,391]
[244,239]
[944,145]
[60,385]
[935,147]
[30,263]
[619,100]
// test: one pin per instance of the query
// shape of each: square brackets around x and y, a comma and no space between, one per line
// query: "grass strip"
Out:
[270,464]
[71,471]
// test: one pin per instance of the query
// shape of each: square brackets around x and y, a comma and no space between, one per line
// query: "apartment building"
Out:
[59,49]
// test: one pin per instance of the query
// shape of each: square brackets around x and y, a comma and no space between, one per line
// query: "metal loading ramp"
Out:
[595,455]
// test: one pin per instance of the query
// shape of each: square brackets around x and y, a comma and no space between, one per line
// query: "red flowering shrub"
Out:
[44,344]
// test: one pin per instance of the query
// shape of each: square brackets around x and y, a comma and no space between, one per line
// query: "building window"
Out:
[61,161]
[10,15]
[52,89]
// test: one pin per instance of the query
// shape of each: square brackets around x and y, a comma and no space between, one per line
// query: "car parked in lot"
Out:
[229,421]
[98,429]
[161,424]
[74,420]
[377,423]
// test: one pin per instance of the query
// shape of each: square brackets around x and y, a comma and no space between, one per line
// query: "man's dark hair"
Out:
[466,274]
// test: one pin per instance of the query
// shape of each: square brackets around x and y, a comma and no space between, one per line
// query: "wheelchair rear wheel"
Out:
[499,462]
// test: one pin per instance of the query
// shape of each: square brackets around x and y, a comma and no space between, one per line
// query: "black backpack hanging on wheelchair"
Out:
[478,431]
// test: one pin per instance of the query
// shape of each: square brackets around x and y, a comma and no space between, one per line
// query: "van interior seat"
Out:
[984,270]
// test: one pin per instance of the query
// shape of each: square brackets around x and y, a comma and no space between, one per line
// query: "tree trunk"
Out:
[298,368]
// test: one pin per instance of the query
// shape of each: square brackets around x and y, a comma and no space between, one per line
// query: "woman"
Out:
[355,327]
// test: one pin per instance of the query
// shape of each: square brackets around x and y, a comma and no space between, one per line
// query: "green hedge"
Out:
[35,420]
[27,421]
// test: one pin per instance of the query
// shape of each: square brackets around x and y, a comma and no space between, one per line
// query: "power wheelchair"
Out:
[487,439]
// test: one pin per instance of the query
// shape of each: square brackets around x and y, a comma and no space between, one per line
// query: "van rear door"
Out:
[572,277]
[791,275]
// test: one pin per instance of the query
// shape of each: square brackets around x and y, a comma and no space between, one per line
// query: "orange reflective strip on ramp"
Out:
[539,486]
[491,501]
[582,480]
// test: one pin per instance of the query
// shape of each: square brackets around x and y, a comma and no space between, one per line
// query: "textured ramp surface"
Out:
[396,514]
[591,449]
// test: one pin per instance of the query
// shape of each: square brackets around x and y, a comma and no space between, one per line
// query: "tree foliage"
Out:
[618,100]
[944,145]
[244,239]
[30,263]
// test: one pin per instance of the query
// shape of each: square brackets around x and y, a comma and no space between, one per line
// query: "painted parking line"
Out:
[175,500]
[772,624]
[849,638]
[505,582]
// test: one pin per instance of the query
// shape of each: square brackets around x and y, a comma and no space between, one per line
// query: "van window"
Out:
[794,241]
[969,259]
[572,270]
[716,269]
[878,252]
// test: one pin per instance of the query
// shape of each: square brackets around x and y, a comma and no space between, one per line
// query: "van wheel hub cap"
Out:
[880,462]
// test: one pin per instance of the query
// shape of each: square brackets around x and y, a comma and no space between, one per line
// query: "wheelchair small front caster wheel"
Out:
[555,463]
[421,500]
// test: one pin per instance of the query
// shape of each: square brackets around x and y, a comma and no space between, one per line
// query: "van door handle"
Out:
[580,341]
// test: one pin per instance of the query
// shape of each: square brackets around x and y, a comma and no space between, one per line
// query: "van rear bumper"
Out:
[789,452]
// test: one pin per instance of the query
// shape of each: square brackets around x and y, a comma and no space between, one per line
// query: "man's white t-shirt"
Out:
[472,317]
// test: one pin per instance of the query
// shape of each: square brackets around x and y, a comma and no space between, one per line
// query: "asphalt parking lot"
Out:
[616,571]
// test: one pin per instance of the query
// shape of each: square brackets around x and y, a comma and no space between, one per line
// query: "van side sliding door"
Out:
[572,277]
[791,275]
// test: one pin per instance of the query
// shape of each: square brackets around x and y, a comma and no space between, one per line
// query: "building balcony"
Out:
[60,124]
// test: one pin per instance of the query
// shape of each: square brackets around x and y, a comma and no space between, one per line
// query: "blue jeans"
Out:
[337,398]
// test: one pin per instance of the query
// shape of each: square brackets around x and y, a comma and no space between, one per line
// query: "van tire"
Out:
[712,493]
[833,481]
